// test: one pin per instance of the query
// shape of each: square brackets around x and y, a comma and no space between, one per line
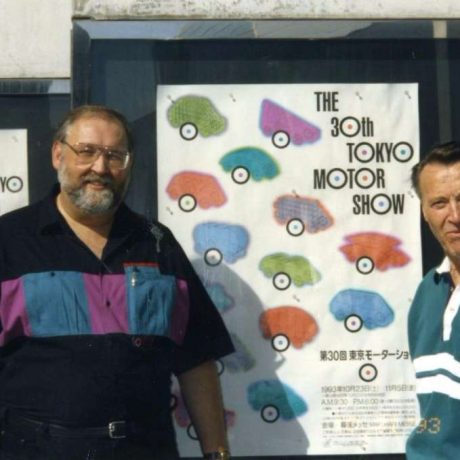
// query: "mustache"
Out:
[92,177]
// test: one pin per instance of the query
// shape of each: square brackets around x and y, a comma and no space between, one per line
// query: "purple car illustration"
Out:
[285,127]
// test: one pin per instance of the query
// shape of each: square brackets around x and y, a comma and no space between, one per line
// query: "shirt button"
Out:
[137,341]
[107,303]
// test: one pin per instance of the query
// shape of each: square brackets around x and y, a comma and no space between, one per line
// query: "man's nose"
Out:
[455,210]
[100,165]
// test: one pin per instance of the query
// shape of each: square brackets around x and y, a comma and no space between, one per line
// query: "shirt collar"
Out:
[444,267]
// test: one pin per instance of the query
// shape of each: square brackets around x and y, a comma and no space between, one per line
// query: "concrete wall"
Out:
[35,34]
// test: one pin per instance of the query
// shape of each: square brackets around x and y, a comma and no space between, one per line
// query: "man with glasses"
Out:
[98,308]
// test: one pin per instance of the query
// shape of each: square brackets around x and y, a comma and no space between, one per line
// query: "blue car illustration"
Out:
[241,360]
[275,399]
[246,162]
[358,308]
[219,241]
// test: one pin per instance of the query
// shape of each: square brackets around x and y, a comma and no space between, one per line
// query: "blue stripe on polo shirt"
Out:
[56,303]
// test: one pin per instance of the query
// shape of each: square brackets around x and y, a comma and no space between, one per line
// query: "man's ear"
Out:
[423,212]
[56,154]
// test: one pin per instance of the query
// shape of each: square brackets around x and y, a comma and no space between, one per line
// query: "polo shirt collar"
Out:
[444,267]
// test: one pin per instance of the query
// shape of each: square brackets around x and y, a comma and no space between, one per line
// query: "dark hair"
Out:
[98,111]
[446,154]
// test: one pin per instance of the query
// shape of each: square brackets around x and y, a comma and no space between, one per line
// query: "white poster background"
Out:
[351,409]
[14,182]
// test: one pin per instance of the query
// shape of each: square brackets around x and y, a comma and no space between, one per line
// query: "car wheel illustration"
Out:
[173,402]
[295,227]
[281,139]
[213,257]
[220,367]
[365,265]
[240,175]
[281,281]
[187,202]
[353,323]
[270,413]
[192,433]
[368,372]
[280,342]
[188,131]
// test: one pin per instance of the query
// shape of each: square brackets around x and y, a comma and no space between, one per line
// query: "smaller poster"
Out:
[14,182]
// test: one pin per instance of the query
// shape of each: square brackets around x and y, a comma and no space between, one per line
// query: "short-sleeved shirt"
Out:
[86,340]
[434,341]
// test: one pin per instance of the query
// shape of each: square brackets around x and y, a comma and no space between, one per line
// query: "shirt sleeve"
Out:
[206,336]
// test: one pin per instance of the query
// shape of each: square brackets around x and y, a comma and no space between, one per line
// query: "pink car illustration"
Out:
[369,250]
[192,189]
[284,126]
[182,417]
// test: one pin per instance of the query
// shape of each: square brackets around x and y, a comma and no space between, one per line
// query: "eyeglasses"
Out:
[87,154]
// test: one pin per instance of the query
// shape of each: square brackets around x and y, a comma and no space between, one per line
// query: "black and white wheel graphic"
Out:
[240,175]
[281,281]
[281,139]
[220,367]
[368,372]
[269,413]
[295,227]
[187,203]
[213,257]
[280,342]
[188,131]
[365,265]
[353,323]
[192,433]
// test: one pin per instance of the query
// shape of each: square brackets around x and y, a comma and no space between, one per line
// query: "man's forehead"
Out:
[436,175]
[86,121]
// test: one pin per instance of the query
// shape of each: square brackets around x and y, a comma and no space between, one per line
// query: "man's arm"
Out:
[202,395]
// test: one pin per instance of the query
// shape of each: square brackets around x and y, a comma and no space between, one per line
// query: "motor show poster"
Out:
[294,203]
[14,182]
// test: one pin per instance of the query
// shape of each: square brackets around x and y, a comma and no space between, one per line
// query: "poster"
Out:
[294,203]
[14,182]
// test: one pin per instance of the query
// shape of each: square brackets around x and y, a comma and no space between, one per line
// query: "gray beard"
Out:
[90,202]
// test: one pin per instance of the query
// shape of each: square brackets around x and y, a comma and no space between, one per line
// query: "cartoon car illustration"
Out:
[192,189]
[274,399]
[284,126]
[301,214]
[285,269]
[195,115]
[182,417]
[371,250]
[246,162]
[358,308]
[287,324]
[221,299]
[219,241]
[241,360]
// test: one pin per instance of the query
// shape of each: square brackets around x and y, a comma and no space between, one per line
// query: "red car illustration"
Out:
[193,189]
[287,324]
[371,250]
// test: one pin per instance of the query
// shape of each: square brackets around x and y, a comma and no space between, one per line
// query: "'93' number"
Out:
[430,425]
